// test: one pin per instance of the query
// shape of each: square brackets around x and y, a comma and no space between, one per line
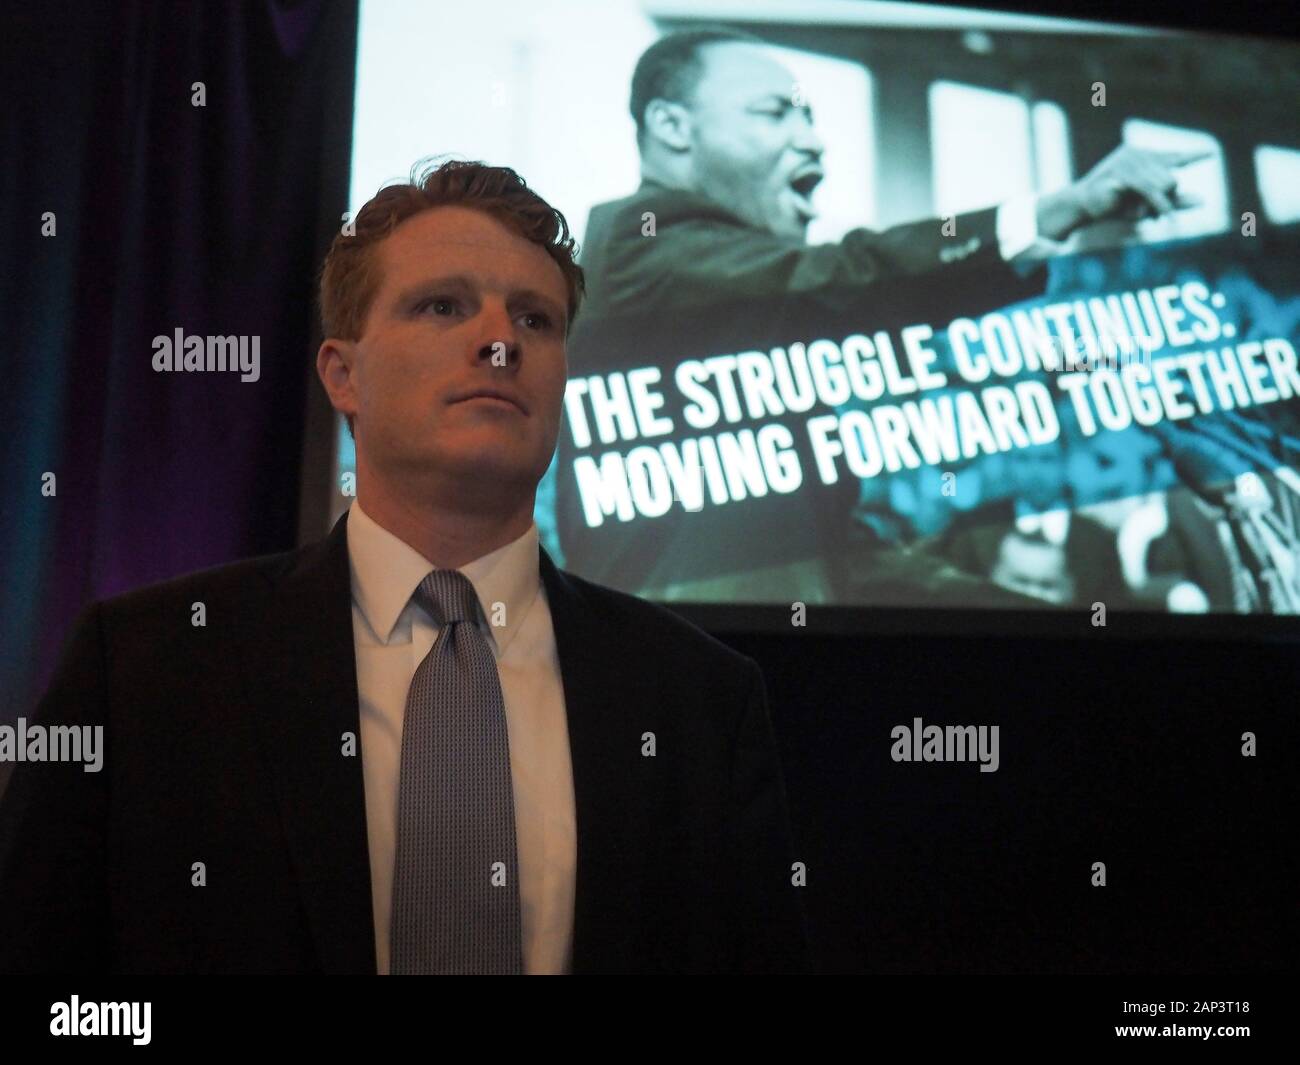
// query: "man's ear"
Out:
[335,362]
[669,123]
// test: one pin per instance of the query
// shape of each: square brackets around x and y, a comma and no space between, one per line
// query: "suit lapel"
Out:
[302,680]
[611,806]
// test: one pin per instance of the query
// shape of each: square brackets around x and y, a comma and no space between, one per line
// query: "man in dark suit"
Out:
[415,746]
[709,255]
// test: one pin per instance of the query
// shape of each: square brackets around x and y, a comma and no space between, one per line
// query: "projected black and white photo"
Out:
[892,305]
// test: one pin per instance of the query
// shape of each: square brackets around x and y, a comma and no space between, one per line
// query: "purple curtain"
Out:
[137,202]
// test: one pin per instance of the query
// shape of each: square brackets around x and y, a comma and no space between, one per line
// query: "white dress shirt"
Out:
[1052,525]
[1018,236]
[392,635]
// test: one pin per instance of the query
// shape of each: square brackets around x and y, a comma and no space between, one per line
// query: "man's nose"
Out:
[499,344]
[500,353]
[807,140]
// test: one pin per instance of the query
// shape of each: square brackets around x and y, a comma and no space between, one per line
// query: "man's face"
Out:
[1032,567]
[1038,474]
[464,305]
[753,150]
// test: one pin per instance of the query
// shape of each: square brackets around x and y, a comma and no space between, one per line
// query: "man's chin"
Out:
[462,466]
[791,228]
[484,468]
[474,470]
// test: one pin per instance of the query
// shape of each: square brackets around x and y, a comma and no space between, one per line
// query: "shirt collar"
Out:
[1054,525]
[386,571]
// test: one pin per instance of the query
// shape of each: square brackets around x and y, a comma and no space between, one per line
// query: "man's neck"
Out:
[448,536]
[665,176]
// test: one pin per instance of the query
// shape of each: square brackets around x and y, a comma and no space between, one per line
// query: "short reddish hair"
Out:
[351,277]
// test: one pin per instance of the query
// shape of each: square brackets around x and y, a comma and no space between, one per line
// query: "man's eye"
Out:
[425,305]
[544,319]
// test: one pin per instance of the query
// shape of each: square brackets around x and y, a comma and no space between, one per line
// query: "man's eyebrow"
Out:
[784,99]
[543,300]
[460,282]
[427,286]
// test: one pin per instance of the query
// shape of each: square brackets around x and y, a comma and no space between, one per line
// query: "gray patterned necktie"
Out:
[456,876]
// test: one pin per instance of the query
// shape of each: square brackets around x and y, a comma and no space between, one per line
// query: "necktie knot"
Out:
[448,596]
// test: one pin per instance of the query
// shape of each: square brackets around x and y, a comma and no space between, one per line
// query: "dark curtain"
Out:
[211,219]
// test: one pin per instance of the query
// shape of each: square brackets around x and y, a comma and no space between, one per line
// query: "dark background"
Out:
[214,219]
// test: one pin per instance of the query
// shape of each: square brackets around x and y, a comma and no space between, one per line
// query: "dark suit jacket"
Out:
[702,255]
[223,745]
[974,537]
[1190,550]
